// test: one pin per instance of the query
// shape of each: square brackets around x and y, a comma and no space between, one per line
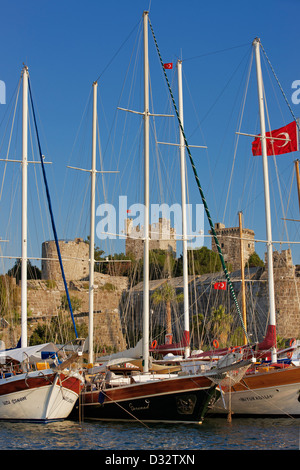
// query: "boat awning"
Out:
[21,354]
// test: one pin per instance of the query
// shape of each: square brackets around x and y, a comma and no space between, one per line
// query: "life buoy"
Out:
[153,344]
[289,354]
[293,342]
[215,343]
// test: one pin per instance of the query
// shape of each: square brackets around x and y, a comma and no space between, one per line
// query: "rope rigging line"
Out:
[200,190]
[117,52]
[239,129]
[10,136]
[281,89]
[215,52]
[50,210]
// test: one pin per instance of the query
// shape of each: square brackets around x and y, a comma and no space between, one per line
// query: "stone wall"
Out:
[287,294]
[204,299]
[44,301]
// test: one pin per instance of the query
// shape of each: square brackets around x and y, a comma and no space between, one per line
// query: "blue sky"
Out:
[67,45]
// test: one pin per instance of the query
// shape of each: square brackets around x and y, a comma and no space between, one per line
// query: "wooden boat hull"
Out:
[175,400]
[38,396]
[268,392]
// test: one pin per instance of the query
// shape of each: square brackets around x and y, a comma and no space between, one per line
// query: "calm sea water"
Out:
[212,434]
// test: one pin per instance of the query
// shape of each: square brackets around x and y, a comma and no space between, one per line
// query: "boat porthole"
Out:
[299,396]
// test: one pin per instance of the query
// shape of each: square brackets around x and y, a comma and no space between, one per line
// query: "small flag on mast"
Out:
[220,285]
[168,66]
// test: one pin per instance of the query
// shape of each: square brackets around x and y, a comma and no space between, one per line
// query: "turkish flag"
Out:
[286,141]
[220,285]
[168,66]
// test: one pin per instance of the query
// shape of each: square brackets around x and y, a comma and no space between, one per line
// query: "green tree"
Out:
[203,261]
[33,272]
[75,302]
[8,295]
[220,325]
[59,330]
[197,328]
[98,256]
[254,261]
[118,264]
[166,295]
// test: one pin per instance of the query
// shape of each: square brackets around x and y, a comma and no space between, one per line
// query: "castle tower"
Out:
[75,256]
[229,240]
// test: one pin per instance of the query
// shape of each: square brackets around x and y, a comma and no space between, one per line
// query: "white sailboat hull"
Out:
[38,396]
[269,393]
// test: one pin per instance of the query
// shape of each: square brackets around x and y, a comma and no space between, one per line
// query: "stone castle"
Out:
[44,296]
[229,240]
[162,237]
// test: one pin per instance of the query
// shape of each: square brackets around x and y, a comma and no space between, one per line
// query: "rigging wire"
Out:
[215,52]
[10,137]
[200,190]
[281,89]
[118,50]
[239,128]
[50,210]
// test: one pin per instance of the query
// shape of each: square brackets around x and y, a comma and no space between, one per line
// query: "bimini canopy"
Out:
[21,354]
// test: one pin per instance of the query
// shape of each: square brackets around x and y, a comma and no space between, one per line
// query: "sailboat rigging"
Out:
[271,388]
[93,173]
[36,382]
[200,188]
[167,397]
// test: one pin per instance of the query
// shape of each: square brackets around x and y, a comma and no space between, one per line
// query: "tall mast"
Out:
[24,211]
[93,171]
[92,228]
[297,179]
[243,275]
[272,321]
[146,201]
[183,204]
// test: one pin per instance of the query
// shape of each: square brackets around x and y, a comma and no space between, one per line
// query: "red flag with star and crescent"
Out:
[220,285]
[279,141]
[168,66]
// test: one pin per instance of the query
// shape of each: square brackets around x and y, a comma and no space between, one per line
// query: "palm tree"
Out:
[166,294]
[221,324]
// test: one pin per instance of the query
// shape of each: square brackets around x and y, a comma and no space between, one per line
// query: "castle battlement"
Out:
[162,237]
